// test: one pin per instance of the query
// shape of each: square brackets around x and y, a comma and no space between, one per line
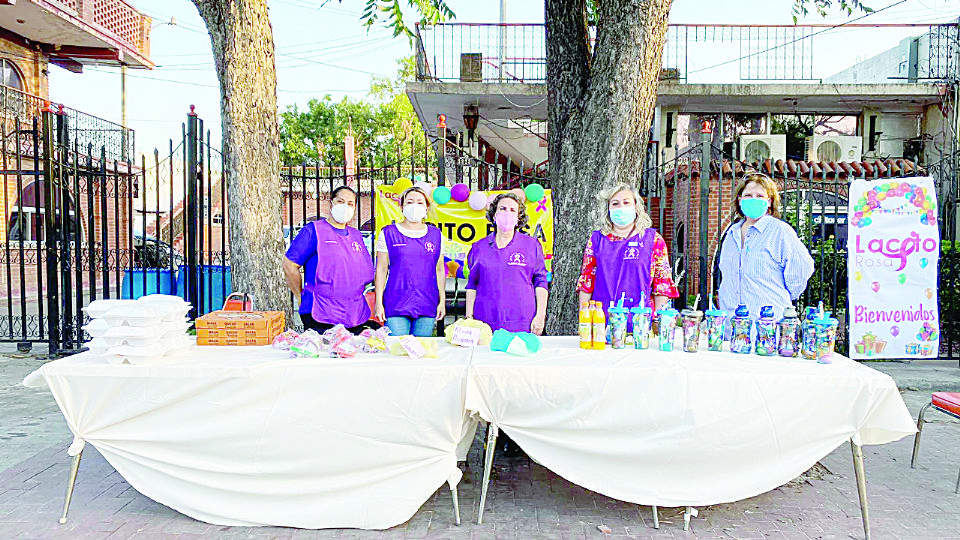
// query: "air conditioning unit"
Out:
[762,147]
[827,148]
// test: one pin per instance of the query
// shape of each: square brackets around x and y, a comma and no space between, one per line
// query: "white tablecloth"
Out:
[246,436]
[677,429]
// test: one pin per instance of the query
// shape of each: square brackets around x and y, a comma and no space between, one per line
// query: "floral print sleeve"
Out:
[588,271]
[661,278]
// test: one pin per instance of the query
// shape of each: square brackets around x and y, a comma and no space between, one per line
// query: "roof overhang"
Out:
[839,99]
[67,38]
[516,101]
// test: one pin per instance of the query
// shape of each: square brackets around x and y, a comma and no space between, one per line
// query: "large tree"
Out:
[601,101]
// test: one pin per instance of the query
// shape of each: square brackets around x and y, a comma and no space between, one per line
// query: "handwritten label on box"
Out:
[465,337]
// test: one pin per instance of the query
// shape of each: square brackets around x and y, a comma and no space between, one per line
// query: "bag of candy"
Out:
[285,340]
[308,345]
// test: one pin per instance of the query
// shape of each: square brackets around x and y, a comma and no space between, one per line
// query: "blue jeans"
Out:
[421,326]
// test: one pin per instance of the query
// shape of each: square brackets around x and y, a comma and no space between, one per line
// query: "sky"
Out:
[322,49]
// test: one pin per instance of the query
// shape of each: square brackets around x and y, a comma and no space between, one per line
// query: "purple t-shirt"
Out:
[506,281]
[303,251]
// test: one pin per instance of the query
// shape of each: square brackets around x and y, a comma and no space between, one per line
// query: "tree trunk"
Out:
[243,50]
[604,138]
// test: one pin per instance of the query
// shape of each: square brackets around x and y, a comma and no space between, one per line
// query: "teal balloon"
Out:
[865,221]
[441,195]
[534,192]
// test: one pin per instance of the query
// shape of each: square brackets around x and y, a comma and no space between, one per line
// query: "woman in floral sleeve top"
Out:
[626,256]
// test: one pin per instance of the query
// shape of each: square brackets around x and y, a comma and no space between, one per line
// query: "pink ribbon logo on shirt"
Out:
[430,247]
[516,259]
[356,247]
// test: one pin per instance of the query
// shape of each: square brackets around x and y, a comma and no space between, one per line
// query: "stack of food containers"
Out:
[138,331]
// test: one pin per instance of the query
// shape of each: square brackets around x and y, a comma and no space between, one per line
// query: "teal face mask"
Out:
[754,208]
[623,216]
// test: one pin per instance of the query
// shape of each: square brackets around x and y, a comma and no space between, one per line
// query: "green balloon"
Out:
[534,192]
[902,278]
[441,195]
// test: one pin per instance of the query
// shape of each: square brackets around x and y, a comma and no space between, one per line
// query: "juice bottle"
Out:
[586,326]
[599,327]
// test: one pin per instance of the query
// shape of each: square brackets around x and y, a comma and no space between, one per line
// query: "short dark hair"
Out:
[337,191]
[521,213]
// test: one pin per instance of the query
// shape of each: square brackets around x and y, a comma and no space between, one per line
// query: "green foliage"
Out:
[389,14]
[803,7]
[385,127]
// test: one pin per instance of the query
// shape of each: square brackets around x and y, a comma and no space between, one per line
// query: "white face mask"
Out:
[341,213]
[415,213]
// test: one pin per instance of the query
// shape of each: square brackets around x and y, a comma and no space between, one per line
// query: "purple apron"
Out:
[343,270]
[506,281]
[411,289]
[623,267]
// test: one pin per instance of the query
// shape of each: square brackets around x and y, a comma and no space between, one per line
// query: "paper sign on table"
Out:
[465,337]
[413,347]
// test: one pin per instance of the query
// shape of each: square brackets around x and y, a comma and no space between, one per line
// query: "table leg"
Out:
[492,432]
[687,514]
[656,517]
[861,486]
[916,438]
[71,480]
[456,503]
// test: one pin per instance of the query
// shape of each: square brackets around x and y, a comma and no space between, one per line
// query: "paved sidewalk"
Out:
[526,501]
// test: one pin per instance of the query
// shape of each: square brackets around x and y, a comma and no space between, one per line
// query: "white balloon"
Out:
[425,186]
[478,200]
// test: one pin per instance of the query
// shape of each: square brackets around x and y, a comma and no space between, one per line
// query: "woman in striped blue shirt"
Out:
[762,261]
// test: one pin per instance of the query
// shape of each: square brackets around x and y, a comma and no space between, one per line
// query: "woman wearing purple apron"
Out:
[410,277]
[507,284]
[626,257]
[337,269]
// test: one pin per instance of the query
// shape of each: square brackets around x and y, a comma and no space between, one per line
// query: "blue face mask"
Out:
[623,216]
[754,208]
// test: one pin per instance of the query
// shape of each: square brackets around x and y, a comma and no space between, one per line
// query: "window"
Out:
[27,218]
[10,75]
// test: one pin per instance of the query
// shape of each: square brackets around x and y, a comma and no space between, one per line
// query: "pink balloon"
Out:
[460,192]
[519,193]
[478,200]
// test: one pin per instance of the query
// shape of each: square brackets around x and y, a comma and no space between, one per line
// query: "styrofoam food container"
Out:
[174,308]
[177,345]
[99,308]
[151,342]
[135,315]
[136,355]
[97,327]
[133,332]
[98,346]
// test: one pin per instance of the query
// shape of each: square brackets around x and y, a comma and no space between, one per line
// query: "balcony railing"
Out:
[116,18]
[516,53]
[19,109]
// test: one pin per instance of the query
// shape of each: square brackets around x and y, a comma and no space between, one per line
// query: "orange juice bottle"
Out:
[599,320]
[586,326]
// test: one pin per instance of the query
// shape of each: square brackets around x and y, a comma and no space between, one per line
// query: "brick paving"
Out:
[526,501]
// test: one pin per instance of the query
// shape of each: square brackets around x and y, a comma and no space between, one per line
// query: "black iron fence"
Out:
[79,226]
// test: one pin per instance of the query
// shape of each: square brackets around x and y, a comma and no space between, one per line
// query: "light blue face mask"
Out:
[623,216]
[754,208]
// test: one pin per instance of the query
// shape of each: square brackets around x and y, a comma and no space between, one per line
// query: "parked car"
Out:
[150,252]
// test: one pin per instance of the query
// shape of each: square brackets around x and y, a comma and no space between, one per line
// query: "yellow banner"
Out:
[461,225]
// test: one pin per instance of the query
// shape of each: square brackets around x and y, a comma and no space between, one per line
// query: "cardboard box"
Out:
[232,341]
[239,327]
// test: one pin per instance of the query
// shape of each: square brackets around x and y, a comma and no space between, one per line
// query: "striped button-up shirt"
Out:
[770,268]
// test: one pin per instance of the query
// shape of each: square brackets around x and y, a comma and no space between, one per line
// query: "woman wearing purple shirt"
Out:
[507,284]
[411,277]
[337,268]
